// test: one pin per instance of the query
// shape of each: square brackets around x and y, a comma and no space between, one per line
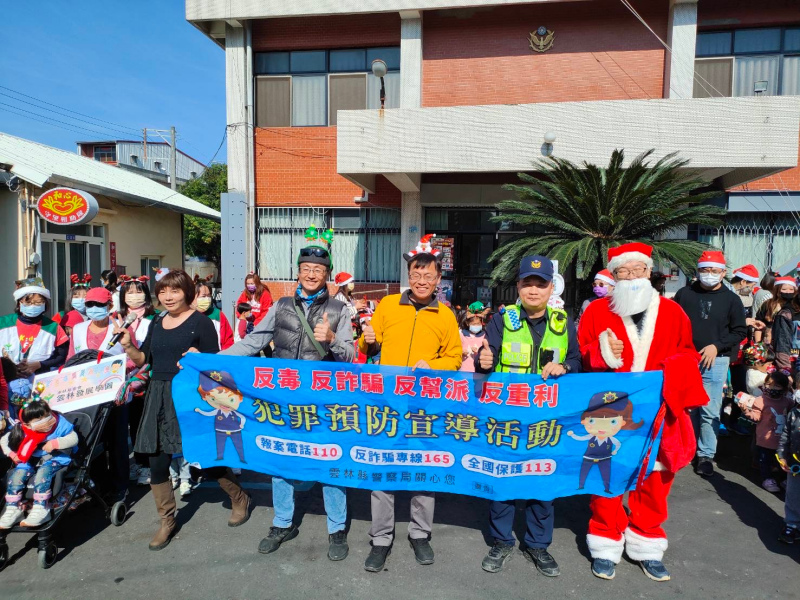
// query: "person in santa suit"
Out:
[637,330]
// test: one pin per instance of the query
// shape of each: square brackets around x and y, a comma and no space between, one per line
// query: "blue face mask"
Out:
[31,311]
[97,313]
[79,304]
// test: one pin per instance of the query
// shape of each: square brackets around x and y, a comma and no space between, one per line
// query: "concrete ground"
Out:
[722,535]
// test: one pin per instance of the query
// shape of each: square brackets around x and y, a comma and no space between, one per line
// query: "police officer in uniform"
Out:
[529,337]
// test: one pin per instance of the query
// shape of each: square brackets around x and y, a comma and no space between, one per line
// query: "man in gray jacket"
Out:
[310,325]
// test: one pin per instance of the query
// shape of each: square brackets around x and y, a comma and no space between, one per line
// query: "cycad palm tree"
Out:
[573,213]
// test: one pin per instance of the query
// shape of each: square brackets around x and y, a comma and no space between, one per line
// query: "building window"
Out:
[366,242]
[308,88]
[149,265]
[106,154]
[748,62]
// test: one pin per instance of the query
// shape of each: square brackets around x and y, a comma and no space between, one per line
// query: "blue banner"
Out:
[502,436]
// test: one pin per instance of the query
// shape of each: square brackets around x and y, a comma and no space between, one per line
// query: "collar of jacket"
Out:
[405,300]
[318,300]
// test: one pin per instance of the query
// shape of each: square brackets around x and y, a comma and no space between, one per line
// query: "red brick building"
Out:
[469,98]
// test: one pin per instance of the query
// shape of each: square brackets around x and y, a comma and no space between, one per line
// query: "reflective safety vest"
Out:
[518,347]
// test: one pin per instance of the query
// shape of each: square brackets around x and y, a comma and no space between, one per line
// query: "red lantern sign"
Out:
[65,206]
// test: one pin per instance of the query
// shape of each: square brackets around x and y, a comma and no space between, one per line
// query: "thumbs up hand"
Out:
[485,357]
[369,333]
[323,331]
[616,345]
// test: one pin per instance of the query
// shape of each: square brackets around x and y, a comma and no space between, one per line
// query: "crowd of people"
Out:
[727,349]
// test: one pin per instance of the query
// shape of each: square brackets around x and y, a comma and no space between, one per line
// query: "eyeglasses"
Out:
[310,271]
[92,304]
[636,272]
[711,270]
[33,303]
[427,278]
[313,251]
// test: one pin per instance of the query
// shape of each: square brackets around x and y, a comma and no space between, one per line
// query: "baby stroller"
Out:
[89,423]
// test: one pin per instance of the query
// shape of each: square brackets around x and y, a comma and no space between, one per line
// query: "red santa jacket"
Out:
[665,344]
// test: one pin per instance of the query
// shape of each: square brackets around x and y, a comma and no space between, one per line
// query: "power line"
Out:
[95,131]
[122,127]
[72,129]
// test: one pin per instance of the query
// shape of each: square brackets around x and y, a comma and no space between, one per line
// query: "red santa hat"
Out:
[605,275]
[343,278]
[626,252]
[748,273]
[779,281]
[712,258]
[423,247]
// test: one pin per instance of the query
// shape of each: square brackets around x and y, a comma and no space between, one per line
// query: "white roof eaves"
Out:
[40,164]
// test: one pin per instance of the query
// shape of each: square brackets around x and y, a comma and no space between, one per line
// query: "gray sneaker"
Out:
[499,554]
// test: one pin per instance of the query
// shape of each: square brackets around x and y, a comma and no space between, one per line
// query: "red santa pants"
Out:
[611,529]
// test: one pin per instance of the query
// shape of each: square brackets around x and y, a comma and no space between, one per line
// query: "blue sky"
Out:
[135,64]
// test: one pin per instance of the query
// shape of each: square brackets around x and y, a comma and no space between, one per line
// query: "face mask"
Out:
[43,424]
[745,291]
[351,287]
[476,328]
[79,304]
[97,313]
[787,295]
[31,310]
[709,279]
[203,304]
[251,287]
[600,291]
[134,300]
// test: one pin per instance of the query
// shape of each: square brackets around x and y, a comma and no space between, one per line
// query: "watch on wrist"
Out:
[567,368]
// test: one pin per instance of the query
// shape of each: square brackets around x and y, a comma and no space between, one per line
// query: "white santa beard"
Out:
[631,296]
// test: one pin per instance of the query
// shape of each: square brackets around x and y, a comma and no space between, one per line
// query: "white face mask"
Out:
[709,279]
[476,329]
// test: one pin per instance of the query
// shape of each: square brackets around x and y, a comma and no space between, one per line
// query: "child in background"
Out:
[246,320]
[769,413]
[789,457]
[40,446]
[760,360]
[471,323]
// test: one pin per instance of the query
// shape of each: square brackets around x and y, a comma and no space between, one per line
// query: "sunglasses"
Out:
[91,304]
[318,252]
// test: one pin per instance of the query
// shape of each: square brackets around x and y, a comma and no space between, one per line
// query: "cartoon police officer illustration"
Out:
[219,390]
[608,413]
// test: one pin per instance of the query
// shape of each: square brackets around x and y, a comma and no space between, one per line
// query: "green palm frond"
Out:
[574,212]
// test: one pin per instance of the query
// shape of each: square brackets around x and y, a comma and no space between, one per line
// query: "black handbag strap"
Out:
[308,330]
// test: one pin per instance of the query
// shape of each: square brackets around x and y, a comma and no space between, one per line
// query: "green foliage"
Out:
[203,235]
[574,213]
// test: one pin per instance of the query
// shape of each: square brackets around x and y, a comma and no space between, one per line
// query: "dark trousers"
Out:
[236,438]
[605,471]
[135,410]
[539,516]
[115,440]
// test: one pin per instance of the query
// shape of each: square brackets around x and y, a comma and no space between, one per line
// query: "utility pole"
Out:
[173,154]
[144,138]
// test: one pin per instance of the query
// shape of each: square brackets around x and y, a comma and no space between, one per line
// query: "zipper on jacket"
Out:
[413,328]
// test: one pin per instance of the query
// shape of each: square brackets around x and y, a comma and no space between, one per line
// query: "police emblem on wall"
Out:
[542,39]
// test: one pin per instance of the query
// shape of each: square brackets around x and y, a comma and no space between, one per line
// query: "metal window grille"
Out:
[366,241]
[767,241]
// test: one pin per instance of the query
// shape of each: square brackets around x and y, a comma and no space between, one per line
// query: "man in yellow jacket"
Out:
[411,330]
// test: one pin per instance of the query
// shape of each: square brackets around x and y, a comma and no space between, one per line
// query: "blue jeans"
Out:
[283,502]
[43,475]
[706,418]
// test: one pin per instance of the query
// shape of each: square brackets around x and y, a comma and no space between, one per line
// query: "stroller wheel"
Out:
[3,556]
[47,557]
[118,513]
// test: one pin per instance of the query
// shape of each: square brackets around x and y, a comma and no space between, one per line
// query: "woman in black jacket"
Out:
[171,335]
